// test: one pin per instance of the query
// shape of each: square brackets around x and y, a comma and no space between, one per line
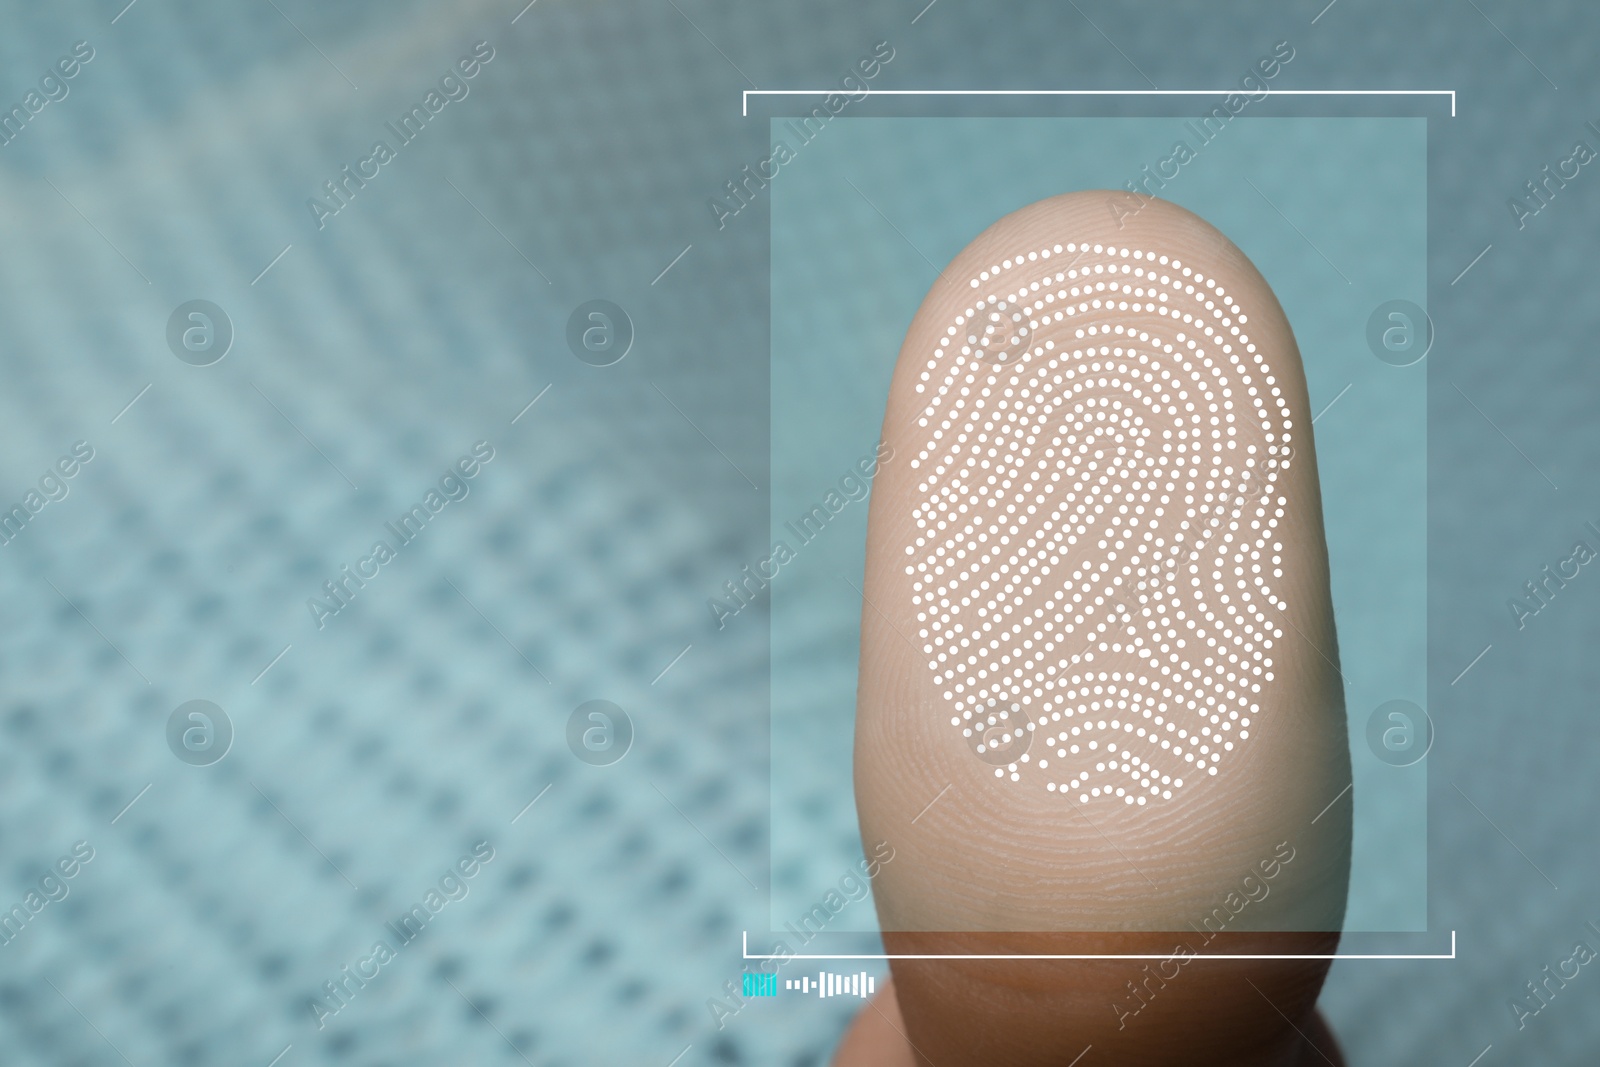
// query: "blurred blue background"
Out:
[372,353]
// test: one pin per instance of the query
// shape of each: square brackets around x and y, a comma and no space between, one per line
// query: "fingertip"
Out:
[1102,533]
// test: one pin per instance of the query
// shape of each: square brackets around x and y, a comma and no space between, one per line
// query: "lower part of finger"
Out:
[1179,1005]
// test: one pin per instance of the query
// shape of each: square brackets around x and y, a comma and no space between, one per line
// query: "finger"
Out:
[878,1038]
[1098,685]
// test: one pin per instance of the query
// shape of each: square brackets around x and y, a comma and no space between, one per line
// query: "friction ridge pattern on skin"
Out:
[1092,488]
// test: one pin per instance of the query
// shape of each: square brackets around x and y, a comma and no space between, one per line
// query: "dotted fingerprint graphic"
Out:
[1096,553]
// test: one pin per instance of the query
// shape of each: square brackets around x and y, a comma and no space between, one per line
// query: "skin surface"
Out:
[1243,861]
[878,1039]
